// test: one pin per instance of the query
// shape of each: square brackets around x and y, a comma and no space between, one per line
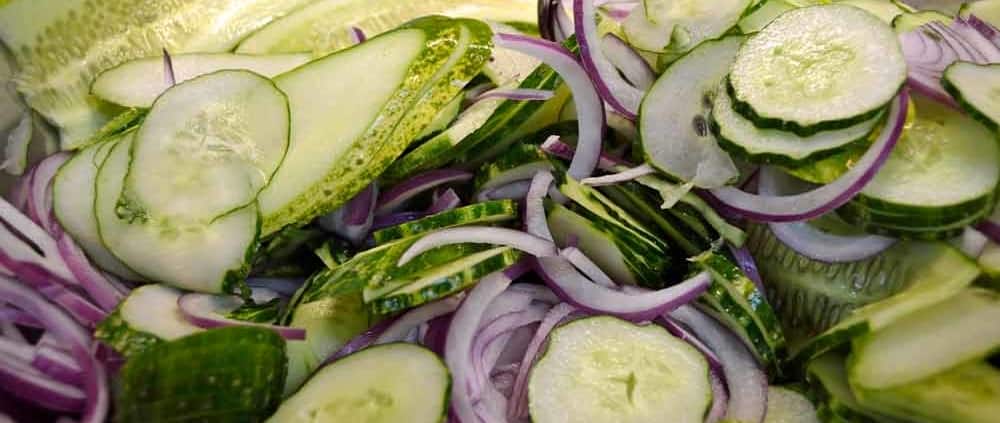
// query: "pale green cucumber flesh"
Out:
[148,316]
[975,87]
[444,117]
[521,162]
[787,406]
[767,12]
[907,22]
[886,10]
[675,27]
[828,386]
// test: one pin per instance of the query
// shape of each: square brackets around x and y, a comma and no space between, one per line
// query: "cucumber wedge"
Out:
[223,375]
[137,83]
[61,45]
[344,134]
[204,151]
[673,118]
[974,87]
[675,27]
[148,316]
[799,76]
[373,385]
[613,370]
[322,27]
[479,213]
[212,258]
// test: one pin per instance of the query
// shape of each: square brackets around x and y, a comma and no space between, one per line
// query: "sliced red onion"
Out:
[97,284]
[444,202]
[812,242]
[618,12]
[635,69]
[989,31]
[400,194]
[977,40]
[437,333]
[418,316]
[513,191]
[589,107]
[574,288]
[619,177]
[815,203]
[518,408]
[394,219]
[209,311]
[360,342]
[523,241]
[747,264]
[499,328]
[720,398]
[563,23]
[554,146]
[168,69]
[40,196]
[587,266]
[357,35]
[546,19]
[12,246]
[611,86]
[26,383]
[932,47]
[535,222]
[79,307]
[19,191]
[972,242]
[539,293]
[16,349]
[283,286]
[746,382]
[353,220]
[685,335]
[516,94]
[474,92]
[57,364]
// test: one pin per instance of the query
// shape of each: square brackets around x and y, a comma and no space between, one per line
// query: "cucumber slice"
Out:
[969,393]
[211,258]
[439,282]
[675,27]
[203,150]
[603,369]
[148,316]
[827,378]
[767,12]
[444,117]
[379,389]
[139,82]
[519,163]
[907,22]
[73,204]
[886,10]
[974,87]
[787,406]
[479,213]
[936,338]
[60,46]
[222,375]
[673,119]
[344,134]
[942,175]
[987,10]
[322,27]
[740,137]
[797,75]
[125,121]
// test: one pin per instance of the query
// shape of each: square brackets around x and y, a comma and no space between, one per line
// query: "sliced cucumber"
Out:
[344,134]
[147,317]
[203,150]
[886,10]
[827,378]
[799,76]
[444,117]
[379,388]
[787,406]
[223,375]
[975,88]
[479,213]
[519,163]
[211,258]
[763,15]
[322,27]
[60,46]
[936,338]
[613,370]
[907,22]
[123,122]
[137,83]
[673,119]
[740,137]
[942,175]
[73,204]
[675,27]
[969,393]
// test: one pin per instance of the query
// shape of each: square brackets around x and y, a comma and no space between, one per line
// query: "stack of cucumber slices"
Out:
[741,211]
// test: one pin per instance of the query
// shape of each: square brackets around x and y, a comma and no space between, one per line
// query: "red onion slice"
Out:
[208,311]
[972,242]
[57,364]
[535,222]
[589,107]
[98,285]
[357,35]
[353,220]
[815,203]
[635,69]
[480,235]
[554,146]
[13,246]
[444,202]
[930,48]
[360,342]
[394,219]
[620,177]
[587,266]
[747,264]
[747,383]
[16,349]
[28,384]
[513,191]
[987,30]
[399,194]
[518,408]
[516,94]
[614,89]
[685,335]
[398,330]
[168,69]
[720,398]
[12,315]
[40,196]
[499,329]
[572,287]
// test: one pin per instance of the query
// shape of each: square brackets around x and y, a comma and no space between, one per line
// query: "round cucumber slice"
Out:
[382,384]
[975,87]
[603,369]
[676,26]
[207,147]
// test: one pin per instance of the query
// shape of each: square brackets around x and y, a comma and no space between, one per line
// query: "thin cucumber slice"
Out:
[673,118]
[907,22]
[444,117]
[344,134]
[379,389]
[936,338]
[148,316]
[61,46]
[139,82]
[211,258]
[322,27]
[521,162]
[969,393]
[827,378]
[479,213]
[763,15]
[603,369]
[123,122]
[675,27]
[204,151]
[787,406]
[224,375]
[886,10]
[975,88]
[799,76]
[929,227]
[739,136]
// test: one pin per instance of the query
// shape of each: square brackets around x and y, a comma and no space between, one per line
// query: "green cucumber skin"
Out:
[128,120]
[517,156]
[404,116]
[488,212]
[680,227]
[779,159]
[238,376]
[649,260]
[956,93]
[765,122]
[117,334]
[927,227]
